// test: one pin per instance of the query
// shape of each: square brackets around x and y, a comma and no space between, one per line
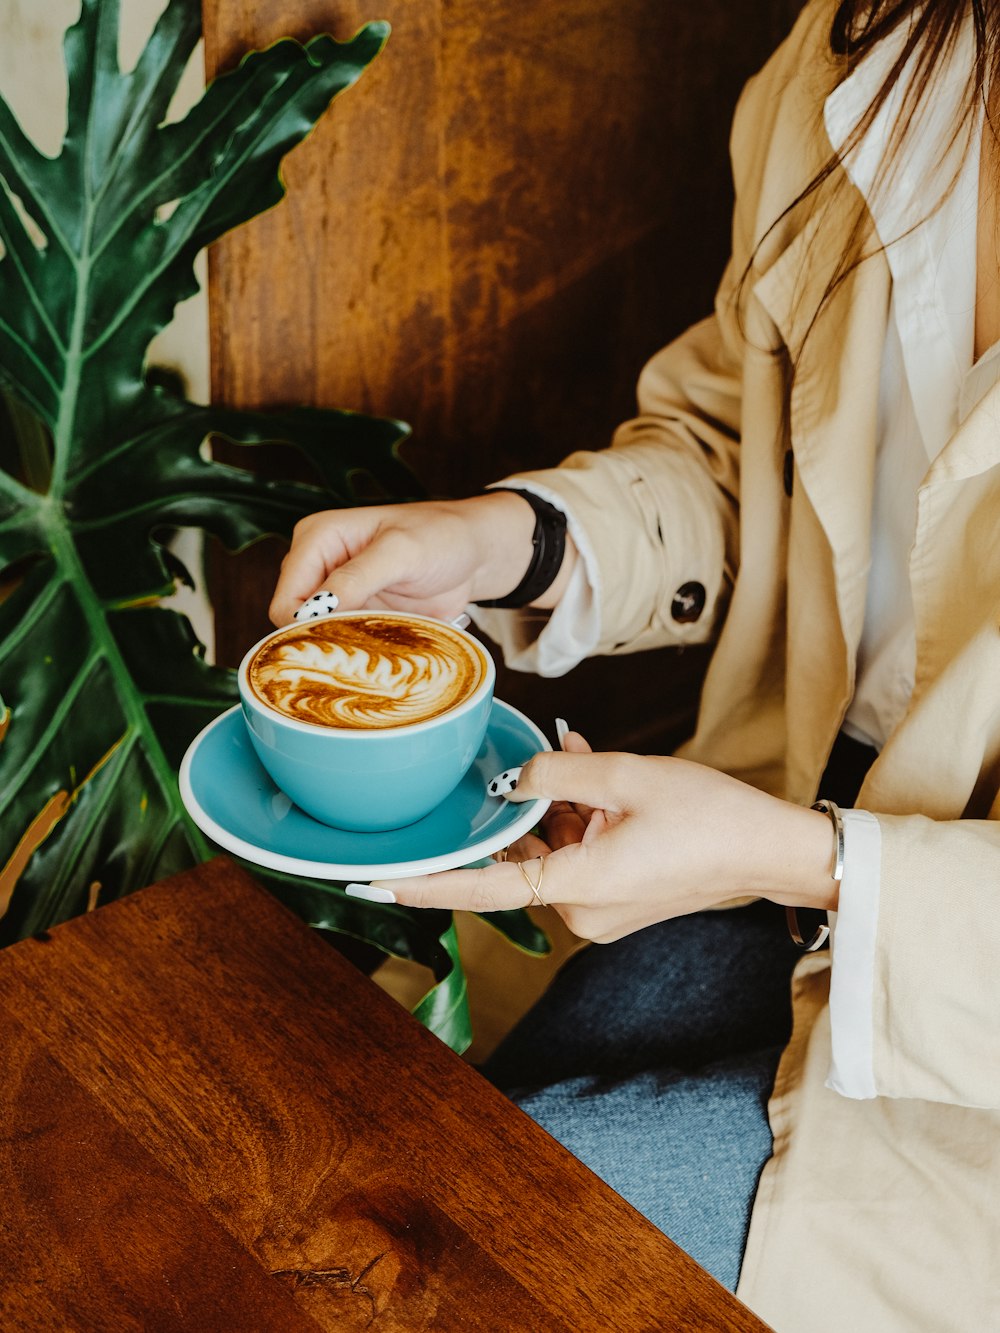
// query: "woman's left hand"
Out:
[635,839]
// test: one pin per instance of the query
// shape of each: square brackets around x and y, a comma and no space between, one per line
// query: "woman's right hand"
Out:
[433,557]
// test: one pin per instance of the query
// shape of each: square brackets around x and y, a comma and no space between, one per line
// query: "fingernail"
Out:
[370,893]
[562,730]
[319,604]
[504,782]
[461,622]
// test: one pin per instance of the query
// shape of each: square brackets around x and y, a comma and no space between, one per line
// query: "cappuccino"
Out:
[373,670]
[367,720]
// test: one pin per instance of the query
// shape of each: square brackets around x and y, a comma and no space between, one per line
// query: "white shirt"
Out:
[928,386]
[925,210]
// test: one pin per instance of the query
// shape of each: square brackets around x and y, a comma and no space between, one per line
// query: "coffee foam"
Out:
[367,672]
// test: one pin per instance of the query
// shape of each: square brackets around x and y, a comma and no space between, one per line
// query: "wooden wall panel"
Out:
[517,204]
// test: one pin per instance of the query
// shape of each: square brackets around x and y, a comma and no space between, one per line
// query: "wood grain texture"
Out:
[212,1121]
[487,237]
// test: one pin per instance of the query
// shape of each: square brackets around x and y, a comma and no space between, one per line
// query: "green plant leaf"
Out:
[445,1008]
[520,930]
[427,937]
[105,687]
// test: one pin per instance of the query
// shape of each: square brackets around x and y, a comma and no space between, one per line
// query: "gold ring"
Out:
[501,855]
[538,883]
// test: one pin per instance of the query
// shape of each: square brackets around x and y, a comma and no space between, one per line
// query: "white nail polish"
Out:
[562,728]
[319,604]
[504,783]
[370,893]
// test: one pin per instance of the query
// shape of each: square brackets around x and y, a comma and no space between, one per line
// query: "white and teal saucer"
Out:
[233,801]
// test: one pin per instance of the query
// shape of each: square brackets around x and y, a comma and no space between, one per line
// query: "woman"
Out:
[813,484]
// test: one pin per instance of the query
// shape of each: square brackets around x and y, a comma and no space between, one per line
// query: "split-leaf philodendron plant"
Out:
[102,687]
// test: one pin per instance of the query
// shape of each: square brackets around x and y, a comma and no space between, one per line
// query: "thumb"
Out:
[574,743]
[505,783]
[596,780]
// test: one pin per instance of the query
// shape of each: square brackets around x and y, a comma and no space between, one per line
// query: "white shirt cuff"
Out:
[572,631]
[852,943]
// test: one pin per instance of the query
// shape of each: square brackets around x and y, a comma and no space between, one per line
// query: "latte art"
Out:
[370,671]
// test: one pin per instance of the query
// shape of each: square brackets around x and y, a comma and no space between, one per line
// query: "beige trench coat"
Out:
[875,1215]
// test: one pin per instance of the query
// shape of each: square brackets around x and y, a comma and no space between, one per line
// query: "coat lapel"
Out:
[975,446]
[951,733]
[833,423]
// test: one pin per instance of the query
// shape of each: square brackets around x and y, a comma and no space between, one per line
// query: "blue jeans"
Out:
[652,1060]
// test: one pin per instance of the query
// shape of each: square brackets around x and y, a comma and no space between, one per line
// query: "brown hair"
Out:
[932,29]
[934,25]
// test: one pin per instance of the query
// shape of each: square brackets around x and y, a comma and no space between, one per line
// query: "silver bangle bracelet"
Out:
[822,933]
[837,820]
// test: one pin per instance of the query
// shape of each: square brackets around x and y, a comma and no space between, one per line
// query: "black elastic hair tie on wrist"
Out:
[548,546]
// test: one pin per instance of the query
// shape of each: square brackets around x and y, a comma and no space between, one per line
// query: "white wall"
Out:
[33,80]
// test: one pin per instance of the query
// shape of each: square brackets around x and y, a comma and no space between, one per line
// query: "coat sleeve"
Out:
[659,509]
[936,992]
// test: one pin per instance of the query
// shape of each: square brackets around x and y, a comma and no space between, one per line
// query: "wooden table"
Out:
[210,1121]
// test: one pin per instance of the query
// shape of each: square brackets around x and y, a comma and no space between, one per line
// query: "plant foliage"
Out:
[103,687]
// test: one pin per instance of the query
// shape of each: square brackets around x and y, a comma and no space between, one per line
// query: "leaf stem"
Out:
[137,721]
[48,903]
[231,166]
[17,259]
[62,436]
[10,152]
[22,496]
[59,715]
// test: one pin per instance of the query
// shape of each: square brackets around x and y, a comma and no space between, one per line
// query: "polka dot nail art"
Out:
[504,783]
[319,604]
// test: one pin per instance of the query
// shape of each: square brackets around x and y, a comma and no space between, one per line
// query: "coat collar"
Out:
[836,358]
[832,423]
[975,446]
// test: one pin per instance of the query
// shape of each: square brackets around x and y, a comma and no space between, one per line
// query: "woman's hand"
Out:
[634,839]
[432,557]
[563,824]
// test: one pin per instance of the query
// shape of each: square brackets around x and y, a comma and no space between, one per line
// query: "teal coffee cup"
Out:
[367,720]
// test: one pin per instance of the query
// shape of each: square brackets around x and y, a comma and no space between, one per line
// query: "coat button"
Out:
[688,603]
[788,472]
